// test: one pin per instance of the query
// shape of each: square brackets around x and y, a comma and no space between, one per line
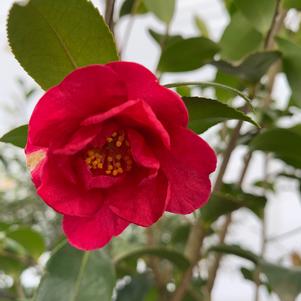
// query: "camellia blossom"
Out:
[109,146]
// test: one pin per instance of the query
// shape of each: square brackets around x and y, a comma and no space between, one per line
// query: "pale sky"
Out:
[283,210]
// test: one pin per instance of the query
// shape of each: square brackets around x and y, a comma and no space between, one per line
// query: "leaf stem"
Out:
[214,85]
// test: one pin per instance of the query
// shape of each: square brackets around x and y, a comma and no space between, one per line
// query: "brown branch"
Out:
[109,14]
[277,22]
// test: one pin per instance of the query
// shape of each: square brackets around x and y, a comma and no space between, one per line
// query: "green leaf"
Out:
[128,8]
[11,265]
[253,68]
[201,26]
[137,289]
[227,80]
[167,40]
[292,4]
[239,38]
[259,13]
[284,143]
[17,136]
[205,113]
[51,38]
[74,275]
[229,199]
[187,54]
[164,10]
[173,256]
[292,66]
[29,239]
[251,274]
[235,250]
[285,282]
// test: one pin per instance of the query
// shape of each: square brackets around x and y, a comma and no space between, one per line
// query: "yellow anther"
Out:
[118,157]
[100,165]
[91,153]
[117,164]
[120,170]
[110,159]
[108,172]
[88,160]
[109,139]
[110,167]
[114,134]
[115,172]
[121,138]
[118,143]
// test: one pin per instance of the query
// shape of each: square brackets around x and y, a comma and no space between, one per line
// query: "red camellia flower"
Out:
[109,146]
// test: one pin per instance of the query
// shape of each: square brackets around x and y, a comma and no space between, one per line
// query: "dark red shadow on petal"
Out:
[62,189]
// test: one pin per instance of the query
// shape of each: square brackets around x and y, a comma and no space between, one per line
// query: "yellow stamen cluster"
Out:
[113,158]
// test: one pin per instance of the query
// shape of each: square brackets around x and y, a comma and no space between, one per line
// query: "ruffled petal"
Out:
[62,190]
[140,203]
[141,152]
[132,114]
[141,83]
[187,166]
[85,91]
[93,232]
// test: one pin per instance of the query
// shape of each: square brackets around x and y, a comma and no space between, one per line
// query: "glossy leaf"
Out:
[239,39]
[162,39]
[74,275]
[284,143]
[173,256]
[230,199]
[17,136]
[187,54]
[253,68]
[136,289]
[285,282]
[235,250]
[50,38]
[164,10]
[128,8]
[205,113]
[228,80]
[201,26]
[258,13]
[29,239]
[292,4]
[292,66]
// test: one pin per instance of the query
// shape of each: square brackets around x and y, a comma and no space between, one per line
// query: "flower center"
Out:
[114,158]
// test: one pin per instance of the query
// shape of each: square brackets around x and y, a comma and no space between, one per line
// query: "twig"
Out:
[269,44]
[284,235]
[109,14]
[130,25]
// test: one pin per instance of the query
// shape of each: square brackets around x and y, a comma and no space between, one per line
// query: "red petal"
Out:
[133,113]
[141,153]
[93,232]
[62,190]
[82,93]
[187,166]
[142,84]
[143,203]
[96,181]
